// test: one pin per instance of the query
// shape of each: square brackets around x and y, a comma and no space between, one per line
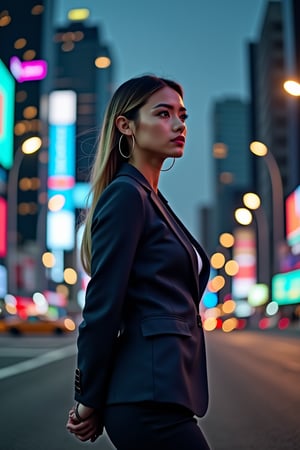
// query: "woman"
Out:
[141,353]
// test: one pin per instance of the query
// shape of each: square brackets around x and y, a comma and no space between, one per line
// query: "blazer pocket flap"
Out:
[164,325]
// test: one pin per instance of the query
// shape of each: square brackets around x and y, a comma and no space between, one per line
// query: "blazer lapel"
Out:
[205,261]
[180,235]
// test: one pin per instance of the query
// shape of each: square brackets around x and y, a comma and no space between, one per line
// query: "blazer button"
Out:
[199,321]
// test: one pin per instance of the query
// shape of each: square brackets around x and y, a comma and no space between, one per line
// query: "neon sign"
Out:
[28,70]
[61,169]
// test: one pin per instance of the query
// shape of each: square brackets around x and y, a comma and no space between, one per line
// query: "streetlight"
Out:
[29,146]
[292,87]
[243,216]
[261,150]
[253,202]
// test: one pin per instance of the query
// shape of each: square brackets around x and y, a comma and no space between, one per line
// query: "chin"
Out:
[178,154]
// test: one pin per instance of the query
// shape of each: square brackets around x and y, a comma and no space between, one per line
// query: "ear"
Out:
[122,123]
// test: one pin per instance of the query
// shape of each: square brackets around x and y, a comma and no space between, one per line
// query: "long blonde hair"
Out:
[126,101]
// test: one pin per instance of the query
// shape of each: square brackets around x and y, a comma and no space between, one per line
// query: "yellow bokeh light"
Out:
[102,62]
[56,202]
[29,55]
[37,10]
[258,148]
[69,324]
[226,239]
[5,18]
[20,43]
[216,283]
[292,87]
[232,268]
[78,14]
[217,260]
[229,324]
[30,112]
[70,276]
[210,324]
[251,200]
[228,307]
[25,184]
[48,259]
[243,216]
[31,145]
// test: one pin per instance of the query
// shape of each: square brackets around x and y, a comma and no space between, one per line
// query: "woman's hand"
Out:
[84,423]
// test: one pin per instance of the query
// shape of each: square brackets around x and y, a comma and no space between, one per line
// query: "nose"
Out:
[179,125]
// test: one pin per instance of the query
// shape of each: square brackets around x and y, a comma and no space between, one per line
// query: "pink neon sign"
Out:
[28,70]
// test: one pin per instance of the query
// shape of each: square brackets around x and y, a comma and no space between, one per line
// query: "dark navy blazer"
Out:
[141,336]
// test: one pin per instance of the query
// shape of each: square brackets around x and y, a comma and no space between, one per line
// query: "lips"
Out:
[179,139]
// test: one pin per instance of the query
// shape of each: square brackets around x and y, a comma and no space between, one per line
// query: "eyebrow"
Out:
[167,105]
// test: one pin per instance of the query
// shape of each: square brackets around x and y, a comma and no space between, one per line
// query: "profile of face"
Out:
[160,129]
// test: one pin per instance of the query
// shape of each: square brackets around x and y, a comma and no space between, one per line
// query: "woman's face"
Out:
[160,129]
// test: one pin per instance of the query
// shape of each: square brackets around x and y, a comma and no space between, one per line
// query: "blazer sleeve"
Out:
[116,229]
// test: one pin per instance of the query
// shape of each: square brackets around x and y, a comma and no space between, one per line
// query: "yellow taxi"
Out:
[38,325]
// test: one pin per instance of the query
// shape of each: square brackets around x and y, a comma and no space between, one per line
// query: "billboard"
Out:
[7,101]
[3,227]
[244,253]
[292,205]
[28,70]
[61,169]
[286,288]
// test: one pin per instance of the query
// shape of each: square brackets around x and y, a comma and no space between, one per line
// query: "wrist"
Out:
[82,412]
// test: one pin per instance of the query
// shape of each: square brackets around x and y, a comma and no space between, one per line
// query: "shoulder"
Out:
[124,188]
[123,195]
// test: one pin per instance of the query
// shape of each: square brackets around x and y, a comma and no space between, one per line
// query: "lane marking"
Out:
[19,352]
[39,361]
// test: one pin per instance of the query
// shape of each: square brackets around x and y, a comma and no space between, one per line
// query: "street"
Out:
[254,387]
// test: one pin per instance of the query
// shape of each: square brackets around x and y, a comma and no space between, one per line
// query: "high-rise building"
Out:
[232,177]
[291,26]
[80,88]
[20,48]
[21,26]
[83,63]
[276,174]
[232,165]
[70,59]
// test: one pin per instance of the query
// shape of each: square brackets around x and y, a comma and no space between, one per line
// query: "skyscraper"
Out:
[270,122]
[78,93]
[232,165]
[20,40]
[83,63]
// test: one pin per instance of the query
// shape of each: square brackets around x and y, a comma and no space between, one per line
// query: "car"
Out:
[38,325]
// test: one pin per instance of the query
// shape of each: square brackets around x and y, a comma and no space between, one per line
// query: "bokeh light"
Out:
[226,239]
[48,259]
[232,268]
[70,276]
[217,260]
[243,216]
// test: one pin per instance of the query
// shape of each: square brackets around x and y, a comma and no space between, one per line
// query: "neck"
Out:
[150,173]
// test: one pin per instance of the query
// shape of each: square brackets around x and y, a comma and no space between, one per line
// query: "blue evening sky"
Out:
[202,44]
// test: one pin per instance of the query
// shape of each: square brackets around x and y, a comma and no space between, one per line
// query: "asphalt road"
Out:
[254,388]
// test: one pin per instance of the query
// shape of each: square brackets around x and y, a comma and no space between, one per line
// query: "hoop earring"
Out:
[120,149]
[169,168]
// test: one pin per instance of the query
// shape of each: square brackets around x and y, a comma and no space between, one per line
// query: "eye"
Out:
[164,113]
[183,117]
